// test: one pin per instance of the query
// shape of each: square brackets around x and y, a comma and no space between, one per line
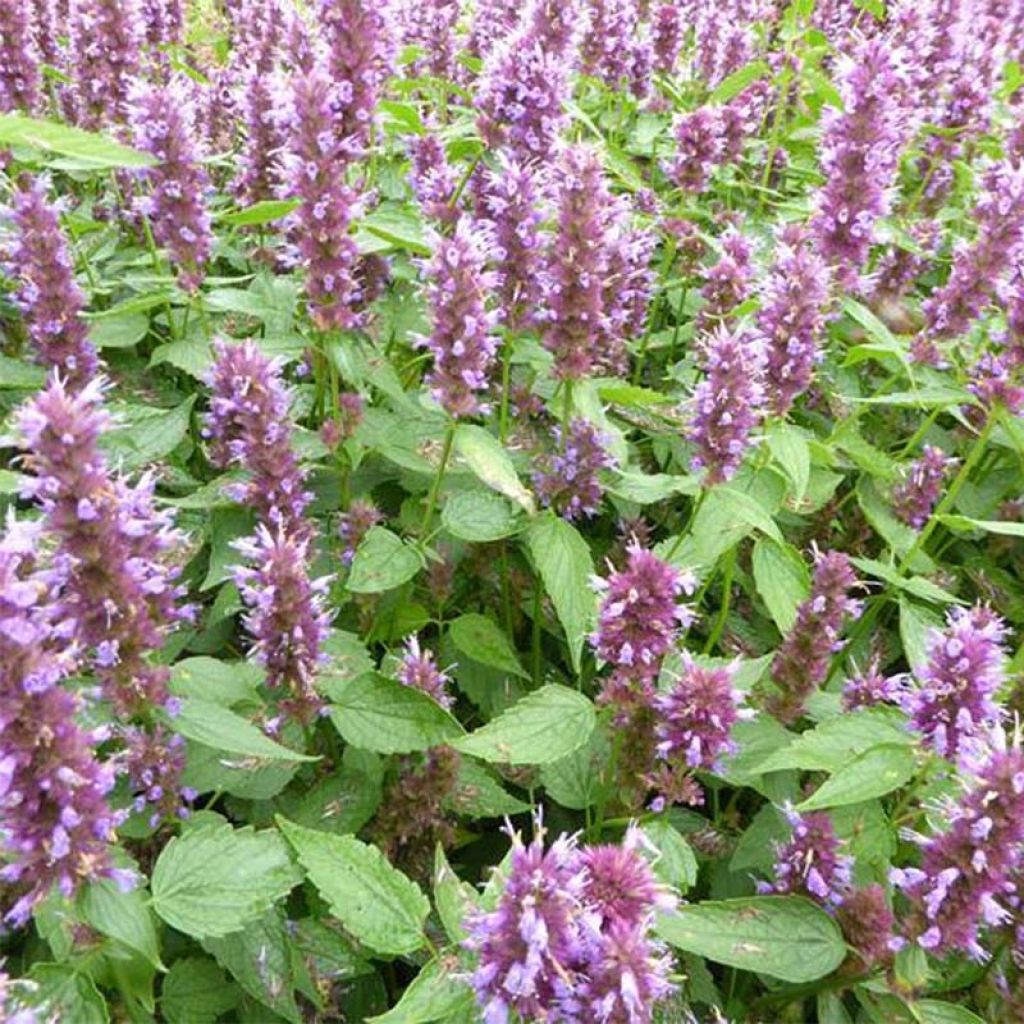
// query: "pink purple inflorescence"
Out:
[419,670]
[568,478]
[810,862]
[918,494]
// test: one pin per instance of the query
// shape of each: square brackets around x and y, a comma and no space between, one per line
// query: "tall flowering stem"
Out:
[163,123]
[568,479]
[106,45]
[802,662]
[917,495]
[286,616]
[50,301]
[315,164]
[248,426]
[57,824]
[20,75]
[810,862]
[462,341]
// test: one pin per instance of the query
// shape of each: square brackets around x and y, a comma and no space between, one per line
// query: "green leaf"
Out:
[214,880]
[483,454]
[91,150]
[479,516]
[789,446]
[383,561]
[725,517]
[478,794]
[453,897]
[144,435]
[563,560]
[264,212]
[934,1011]
[916,585]
[479,638]
[377,903]
[735,83]
[574,781]
[122,331]
[650,488]
[376,713]
[782,580]
[675,863]
[209,679]
[124,916]
[916,625]
[1005,528]
[220,728]
[544,726]
[434,994]
[397,226]
[16,373]
[787,937]
[196,992]
[875,772]
[67,994]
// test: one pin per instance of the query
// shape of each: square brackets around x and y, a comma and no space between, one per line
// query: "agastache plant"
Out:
[20,74]
[106,45]
[810,862]
[40,263]
[918,494]
[568,477]
[419,670]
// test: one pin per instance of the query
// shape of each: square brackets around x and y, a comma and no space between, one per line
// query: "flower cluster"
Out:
[434,181]
[968,870]
[248,427]
[802,662]
[727,403]
[20,77]
[870,687]
[354,525]
[163,124]
[419,670]
[810,861]
[699,148]
[728,280]
[954,701]
[570,937]
[916,496]
[568,478]
[106,43]
[462,340]
[50,301]
[286,616]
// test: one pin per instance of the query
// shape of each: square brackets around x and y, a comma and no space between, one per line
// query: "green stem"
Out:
[694,509]
[536,637]
[435,488]
[506,378]
[723,612]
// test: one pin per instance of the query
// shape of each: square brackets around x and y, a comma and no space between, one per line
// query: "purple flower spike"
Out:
[699,148]
[434,181]
[810,863]
[163,123]
[462,341]
[860,155]
[419,671]
[794,299]
[728,280]
[354,525]
[107,37]
[871,687]
[286,617]
[727,404]
[164,21]
[248,426]
[696,716]
[315,164]
[20,75]
[57,825]
[954,703]
[802,662]
[50,300]
[640,614]
[667,35]
[968,870]
[918,494]
[568,479]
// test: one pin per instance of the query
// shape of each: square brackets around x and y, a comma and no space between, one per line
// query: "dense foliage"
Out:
[513,511]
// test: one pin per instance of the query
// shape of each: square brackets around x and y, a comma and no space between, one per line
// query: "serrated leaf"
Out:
[196,991]
[787,937]
[478,794]
[734,84]
[122,331]
[453,897]
[875,772]
[217,727]
[376,713]
[264,212]
[479,516]
[1003,527]
[124,916]
[434,994]
[383,561]
[214,879]
[563,560]
[782,580]
[574,781]
[479,638]
[144,435]
[90,149]
[483,454]
[210,679]
[789,446]
[544,726]
[674,863]
[373,900]
[916,585]
[916,625]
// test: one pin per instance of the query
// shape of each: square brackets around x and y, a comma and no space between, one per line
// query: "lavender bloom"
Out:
[640,614]
[492,22]
[728,281]
[568,479]
[629,281]
[584,255]
[859,156]
[119,595]
[511,201]
[696,716]
[917,495]
[163,123]
[432,27]
[791,320]
[527,78]
[50,300]
[699,148]
[354,525]
[248,426]
[154,761]
[966,871]
[286,616]
[620,884]
[954,703]
[434,180]
[462,341]
[106,43]
[53,792]
[264,137]
[667,36]
[723,43]
[802,661]
[727,403]
[419,671]
[871,687]
[358,63]
[315,166]
[810,863]
[608,44]
[867,923]
[995,380]
[20,77]
[164,21]
[978,267]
